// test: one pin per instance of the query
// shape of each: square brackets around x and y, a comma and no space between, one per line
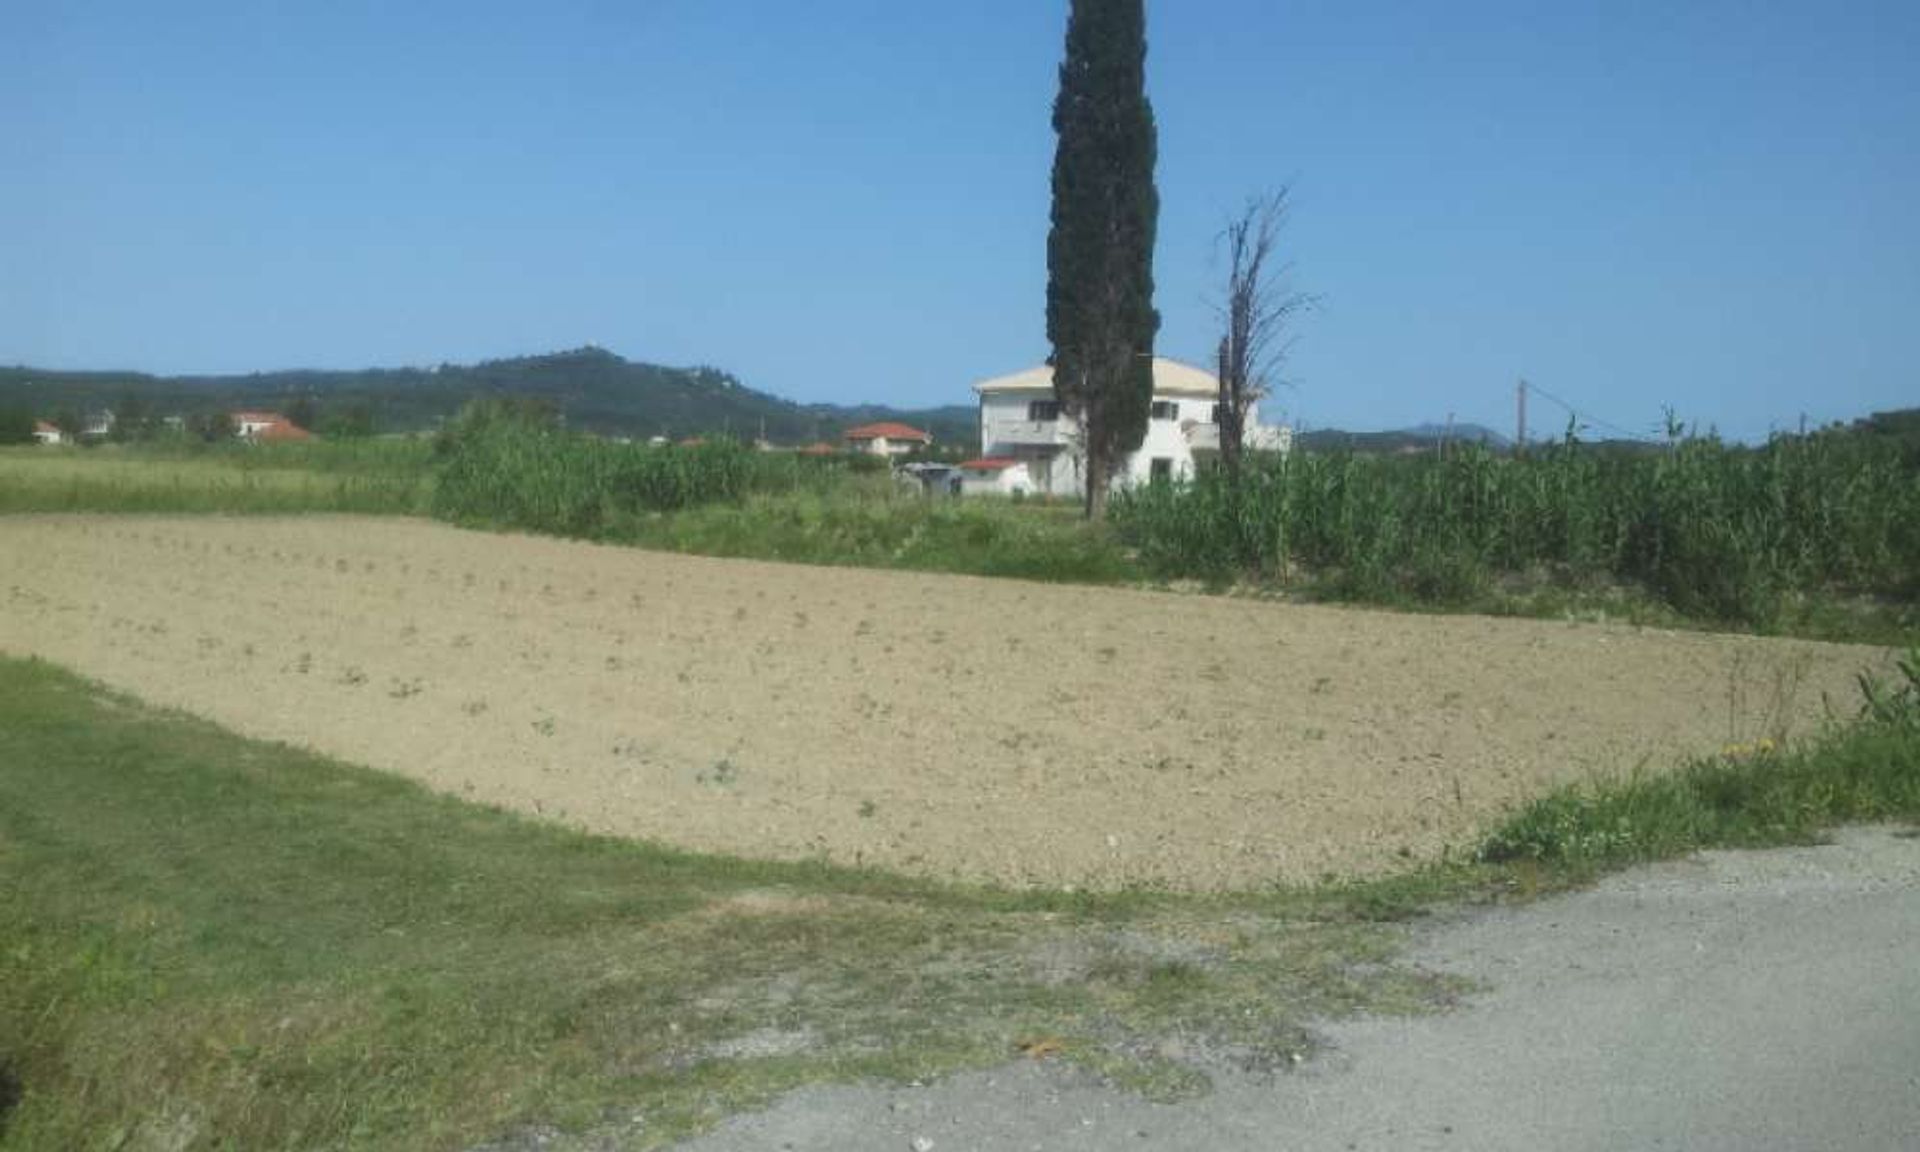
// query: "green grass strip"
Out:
[1750,796]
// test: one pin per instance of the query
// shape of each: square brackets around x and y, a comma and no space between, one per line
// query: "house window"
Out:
[1162,470]
[1041,411]
[1165,410]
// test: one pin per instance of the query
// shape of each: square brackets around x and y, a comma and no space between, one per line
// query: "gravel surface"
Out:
[940,725]
[1730,1003]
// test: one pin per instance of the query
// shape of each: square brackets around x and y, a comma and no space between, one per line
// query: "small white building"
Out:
[256,427]
[995,476]
[887,439]
[1020,421]
[45,433]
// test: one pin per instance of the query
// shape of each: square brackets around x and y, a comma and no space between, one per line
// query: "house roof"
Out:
[820,448]
[888,430]
[254,417]
[43,426]
[989,464]
[1170,378]
[282,430]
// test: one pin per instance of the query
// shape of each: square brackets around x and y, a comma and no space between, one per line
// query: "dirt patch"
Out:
[950,726]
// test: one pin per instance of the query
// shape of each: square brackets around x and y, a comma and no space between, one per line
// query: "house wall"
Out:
[881,446]
[1004,482]
[1050,447]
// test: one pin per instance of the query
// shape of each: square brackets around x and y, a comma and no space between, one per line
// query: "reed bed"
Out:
[1716,531]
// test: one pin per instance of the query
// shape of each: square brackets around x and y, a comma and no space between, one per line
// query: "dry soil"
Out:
[948,726]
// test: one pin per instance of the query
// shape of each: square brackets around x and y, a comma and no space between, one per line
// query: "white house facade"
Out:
[45,433]
[1021,421]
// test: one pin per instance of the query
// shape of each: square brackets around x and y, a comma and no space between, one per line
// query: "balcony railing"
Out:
[1027,432]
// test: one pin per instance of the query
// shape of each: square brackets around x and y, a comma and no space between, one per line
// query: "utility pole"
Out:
[1520,418]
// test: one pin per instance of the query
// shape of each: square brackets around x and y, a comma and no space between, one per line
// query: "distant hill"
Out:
[1418,438]
[596,389]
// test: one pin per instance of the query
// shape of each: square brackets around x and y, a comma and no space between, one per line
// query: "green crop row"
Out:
[511,469]
[1717,531]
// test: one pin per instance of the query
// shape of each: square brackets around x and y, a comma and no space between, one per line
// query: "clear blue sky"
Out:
[1708,205]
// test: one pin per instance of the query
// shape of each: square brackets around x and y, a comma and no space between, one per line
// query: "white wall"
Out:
[1003,482]
[1051,449]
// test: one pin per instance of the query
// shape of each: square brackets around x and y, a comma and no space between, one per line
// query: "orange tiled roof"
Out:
[282,430]
[889,430]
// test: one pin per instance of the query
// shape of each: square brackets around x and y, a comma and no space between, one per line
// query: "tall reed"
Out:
[1716,530]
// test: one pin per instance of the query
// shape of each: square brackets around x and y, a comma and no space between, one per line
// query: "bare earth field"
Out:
[941,725]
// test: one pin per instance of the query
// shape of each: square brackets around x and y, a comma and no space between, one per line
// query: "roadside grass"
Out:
[365,477]
[211,942]
[1753,795]
[881,527]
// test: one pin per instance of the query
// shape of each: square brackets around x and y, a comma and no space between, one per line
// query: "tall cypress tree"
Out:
[1100,315]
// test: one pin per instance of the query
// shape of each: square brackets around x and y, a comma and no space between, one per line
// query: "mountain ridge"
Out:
[597,390]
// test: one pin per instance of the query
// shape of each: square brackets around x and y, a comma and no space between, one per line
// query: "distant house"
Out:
[1021,422]
[97,426]
[931,477]
[995,476]
[45,433]
[820,448]
[887,439]
[266,428]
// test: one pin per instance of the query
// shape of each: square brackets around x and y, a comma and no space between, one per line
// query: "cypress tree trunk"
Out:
[1100,316]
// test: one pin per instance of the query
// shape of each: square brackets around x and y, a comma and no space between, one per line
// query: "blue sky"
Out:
[1697,204]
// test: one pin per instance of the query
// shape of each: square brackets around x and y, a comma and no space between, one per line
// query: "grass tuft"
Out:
[1749,796]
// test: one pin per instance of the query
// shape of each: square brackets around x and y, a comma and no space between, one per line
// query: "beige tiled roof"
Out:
[1170,378]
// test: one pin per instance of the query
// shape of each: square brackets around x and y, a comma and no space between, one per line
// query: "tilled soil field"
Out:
[948,726]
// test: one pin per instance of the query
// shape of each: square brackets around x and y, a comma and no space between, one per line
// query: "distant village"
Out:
[1027,445]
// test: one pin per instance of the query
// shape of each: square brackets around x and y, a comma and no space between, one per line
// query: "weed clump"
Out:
[1750,795]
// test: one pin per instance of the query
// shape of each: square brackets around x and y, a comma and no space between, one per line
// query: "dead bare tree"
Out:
[1258,314]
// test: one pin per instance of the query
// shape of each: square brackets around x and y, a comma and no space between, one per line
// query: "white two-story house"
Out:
[1021,423]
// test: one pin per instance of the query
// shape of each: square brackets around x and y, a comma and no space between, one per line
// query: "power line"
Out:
[1585,418]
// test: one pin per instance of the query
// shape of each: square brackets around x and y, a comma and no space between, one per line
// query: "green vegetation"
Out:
[364,476]
[1106,210]
[1751,796]
[1815,536]
[878,526]
[208,942]
[507,467]
[1716,532]
[16,426]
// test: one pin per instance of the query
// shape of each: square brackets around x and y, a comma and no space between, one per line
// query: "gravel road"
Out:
[1729,1003]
